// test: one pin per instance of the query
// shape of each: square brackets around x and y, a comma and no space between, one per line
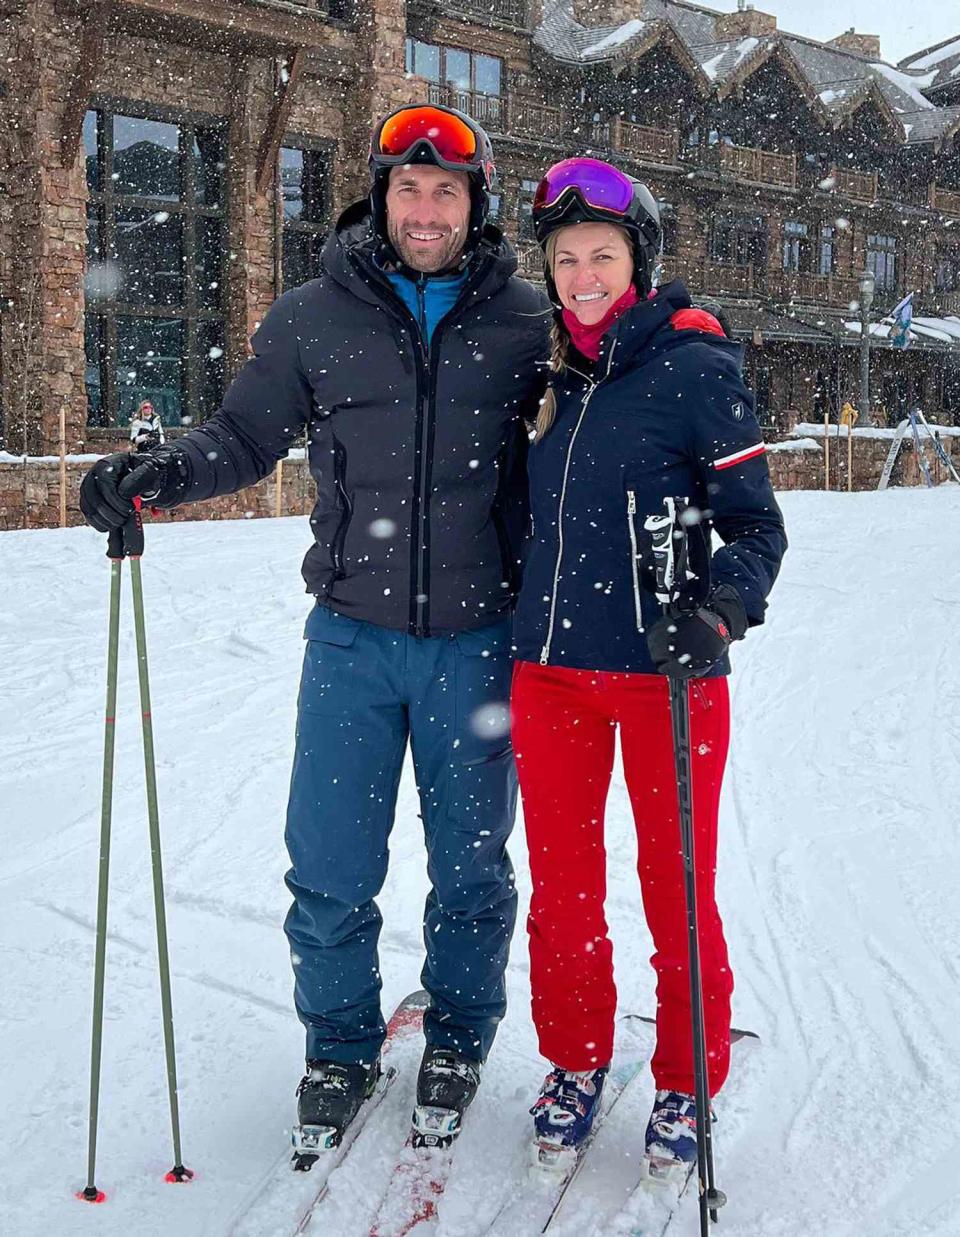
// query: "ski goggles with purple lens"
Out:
[600,186]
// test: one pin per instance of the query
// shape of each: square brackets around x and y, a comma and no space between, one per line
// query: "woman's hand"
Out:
[685,646]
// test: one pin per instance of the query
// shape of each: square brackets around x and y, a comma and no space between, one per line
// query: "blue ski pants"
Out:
[364,692]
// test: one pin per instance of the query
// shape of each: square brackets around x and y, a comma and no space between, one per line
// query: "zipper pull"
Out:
[543,656]
[631,502]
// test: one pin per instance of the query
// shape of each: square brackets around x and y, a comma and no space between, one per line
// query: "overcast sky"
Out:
[904,26]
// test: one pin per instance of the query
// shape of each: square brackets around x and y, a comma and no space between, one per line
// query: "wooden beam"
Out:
[277,120]
[84,75]
[268,22]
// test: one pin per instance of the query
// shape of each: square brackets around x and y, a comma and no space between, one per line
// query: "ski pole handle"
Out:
[668,544]
[127,542]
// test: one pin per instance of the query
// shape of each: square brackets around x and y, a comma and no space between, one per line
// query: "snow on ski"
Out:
[284,1203]
[413,1194]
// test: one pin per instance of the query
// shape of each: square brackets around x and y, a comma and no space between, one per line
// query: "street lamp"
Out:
[868,283]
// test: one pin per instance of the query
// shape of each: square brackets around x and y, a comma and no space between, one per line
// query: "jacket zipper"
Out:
[340,536]
[634,556]
[430,354]
[425,419]
[588,395]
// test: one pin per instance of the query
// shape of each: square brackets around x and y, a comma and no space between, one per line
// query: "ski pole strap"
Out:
[127,542]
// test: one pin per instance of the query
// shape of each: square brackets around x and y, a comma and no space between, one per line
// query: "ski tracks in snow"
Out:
[839,854]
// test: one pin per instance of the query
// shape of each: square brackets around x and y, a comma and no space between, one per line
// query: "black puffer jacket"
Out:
[419,454]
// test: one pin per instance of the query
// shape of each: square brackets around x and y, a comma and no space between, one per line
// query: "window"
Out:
[463,79]
[946,272]
[305,196]
[826,257]
[739,239]
[156,221]
[761,395]
[668,225]
[794,244]
[882,260]
[525,230]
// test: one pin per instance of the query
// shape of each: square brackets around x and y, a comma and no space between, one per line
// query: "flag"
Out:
[902,317]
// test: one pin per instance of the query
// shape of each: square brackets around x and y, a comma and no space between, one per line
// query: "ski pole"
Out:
[178,1173]
[128,543]
[90,1193]
[672,574]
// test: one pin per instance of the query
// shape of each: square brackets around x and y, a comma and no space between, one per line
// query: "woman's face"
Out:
[592,268]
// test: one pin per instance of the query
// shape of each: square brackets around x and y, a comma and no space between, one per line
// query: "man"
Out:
[411,363]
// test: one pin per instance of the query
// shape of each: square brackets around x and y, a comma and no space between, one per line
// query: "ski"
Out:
[546,1188]
[661,1202]
[285,1201]
[416,1186]
[445,1087]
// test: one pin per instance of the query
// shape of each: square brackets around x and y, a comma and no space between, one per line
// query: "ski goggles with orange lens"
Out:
[451,138]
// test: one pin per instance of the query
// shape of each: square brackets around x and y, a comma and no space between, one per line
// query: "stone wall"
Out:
[30,496]
[30,491]
[355,75]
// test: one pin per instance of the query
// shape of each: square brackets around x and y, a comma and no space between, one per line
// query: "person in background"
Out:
[647,401]
[146,428]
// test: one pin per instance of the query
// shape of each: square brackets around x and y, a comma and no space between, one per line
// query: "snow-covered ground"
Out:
[838,879]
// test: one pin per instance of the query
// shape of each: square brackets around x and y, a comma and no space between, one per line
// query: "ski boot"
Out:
[564,1113]
[328,1098]
[446,1085]
[671,1140]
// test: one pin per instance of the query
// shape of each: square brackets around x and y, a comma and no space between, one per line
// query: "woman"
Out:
[146,428]
[647,401]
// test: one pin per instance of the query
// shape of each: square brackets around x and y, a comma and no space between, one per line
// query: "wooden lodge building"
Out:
[168,167]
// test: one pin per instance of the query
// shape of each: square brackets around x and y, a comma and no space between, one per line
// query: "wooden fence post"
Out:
[63,466]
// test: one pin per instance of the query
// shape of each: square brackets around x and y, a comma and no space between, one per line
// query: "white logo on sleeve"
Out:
[738,411]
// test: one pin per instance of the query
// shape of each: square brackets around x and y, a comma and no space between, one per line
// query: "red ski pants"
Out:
[563,724]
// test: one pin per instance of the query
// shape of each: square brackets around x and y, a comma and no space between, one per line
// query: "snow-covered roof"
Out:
[938,330]
[943,60]
[931,126]
[840,80]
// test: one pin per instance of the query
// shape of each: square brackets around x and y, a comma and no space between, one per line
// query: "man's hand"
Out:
[685,646]
[109,488]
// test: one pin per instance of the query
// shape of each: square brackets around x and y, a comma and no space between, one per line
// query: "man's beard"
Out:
[444,255]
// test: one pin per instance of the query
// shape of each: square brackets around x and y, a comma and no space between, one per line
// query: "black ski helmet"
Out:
[639,218]
[433,140]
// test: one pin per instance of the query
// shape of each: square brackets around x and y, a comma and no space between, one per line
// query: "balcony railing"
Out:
[807,286]
[529,118]
[647,144]
[944,302]
[529,260]
[704,275]
[947,200]
[511,12]
[489,110]
[760,167]
[849,183]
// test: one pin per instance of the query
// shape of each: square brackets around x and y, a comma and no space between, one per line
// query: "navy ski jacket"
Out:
[663,413]
[416,438]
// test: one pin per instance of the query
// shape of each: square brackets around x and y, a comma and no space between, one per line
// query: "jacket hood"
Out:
[350,255]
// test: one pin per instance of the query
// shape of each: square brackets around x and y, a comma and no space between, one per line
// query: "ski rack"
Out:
[912,422]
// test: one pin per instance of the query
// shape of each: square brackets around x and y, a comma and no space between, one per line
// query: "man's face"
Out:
[428,210]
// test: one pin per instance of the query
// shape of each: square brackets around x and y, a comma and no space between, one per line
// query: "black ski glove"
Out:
[109,488]
[687,645]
